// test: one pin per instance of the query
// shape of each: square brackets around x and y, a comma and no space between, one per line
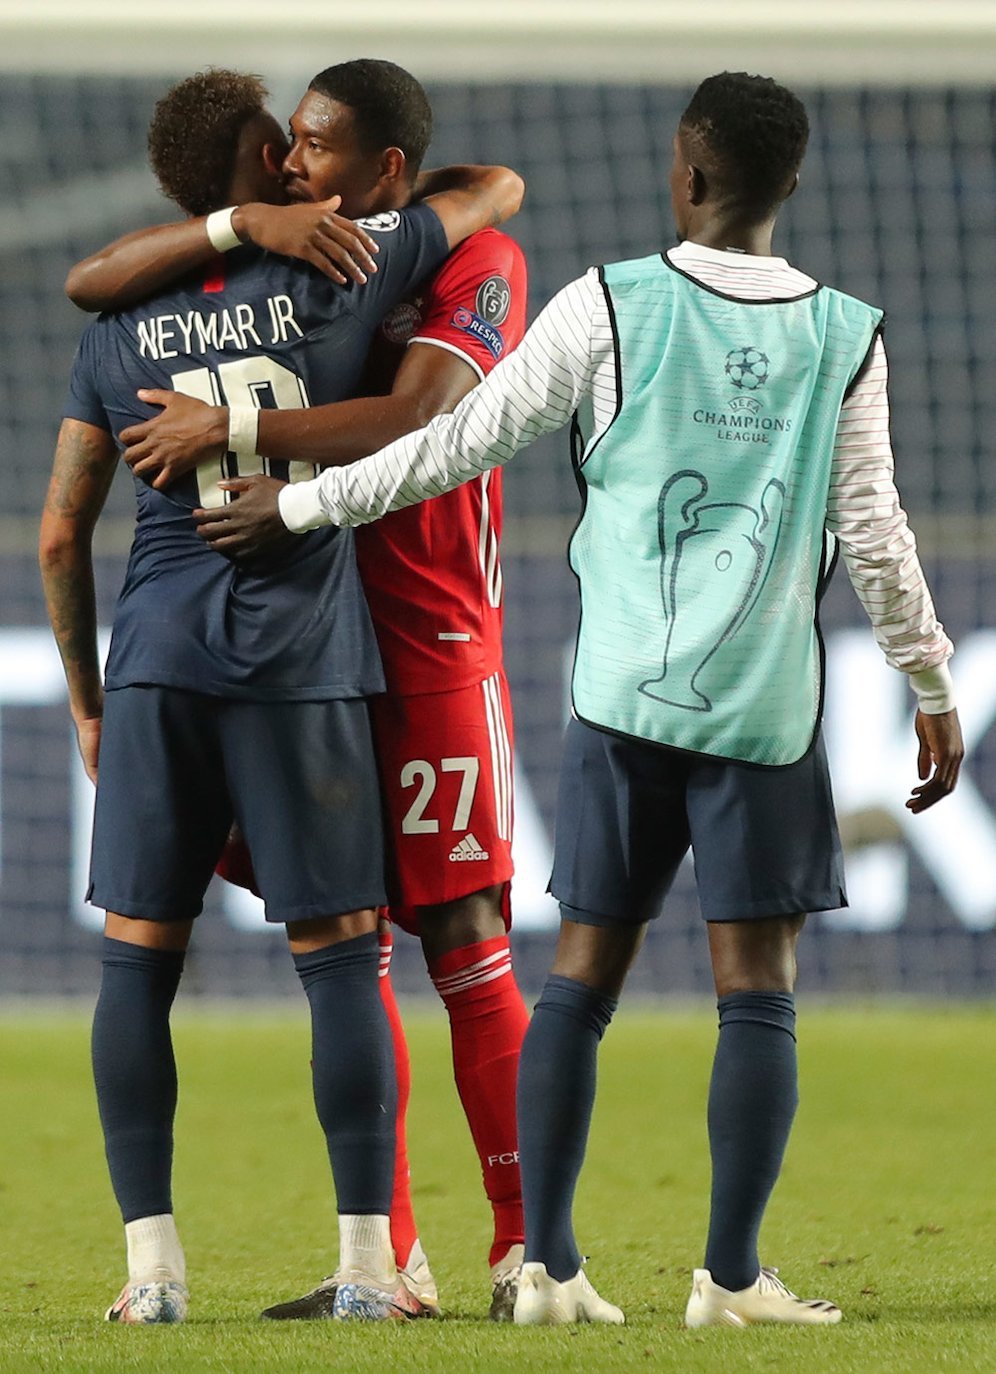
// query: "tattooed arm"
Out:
[85,459]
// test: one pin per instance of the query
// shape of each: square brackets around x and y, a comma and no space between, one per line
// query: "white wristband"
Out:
[243,429]
[300,507]
[934,690]
[219,230]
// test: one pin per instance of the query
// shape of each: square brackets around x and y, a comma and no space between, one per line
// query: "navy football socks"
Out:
[556,1093]
[135,1073]
[352,1070]
[752,1100]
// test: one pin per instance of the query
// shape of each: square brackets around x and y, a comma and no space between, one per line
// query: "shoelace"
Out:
[769,1282]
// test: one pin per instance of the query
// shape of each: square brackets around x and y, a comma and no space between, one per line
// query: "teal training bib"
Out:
[702,547]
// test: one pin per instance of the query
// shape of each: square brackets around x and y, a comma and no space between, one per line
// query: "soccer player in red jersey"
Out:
[433,582]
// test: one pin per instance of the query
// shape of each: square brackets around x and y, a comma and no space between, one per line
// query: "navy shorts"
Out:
[764,840]
[176,768]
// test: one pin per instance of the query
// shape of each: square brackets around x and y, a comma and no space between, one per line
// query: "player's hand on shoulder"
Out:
[315,233]
[249,525]
[186,432]
[941,750]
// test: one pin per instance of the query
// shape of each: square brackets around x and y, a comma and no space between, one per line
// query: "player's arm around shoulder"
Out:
[533,391]
[138,265]
[473,312]
[440,366]
[470,198]
[430,381]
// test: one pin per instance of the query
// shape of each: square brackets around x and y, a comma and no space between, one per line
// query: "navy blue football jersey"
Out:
[271,332]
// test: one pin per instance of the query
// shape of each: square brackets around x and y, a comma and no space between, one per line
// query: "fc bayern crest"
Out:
[494,297]
[400,324]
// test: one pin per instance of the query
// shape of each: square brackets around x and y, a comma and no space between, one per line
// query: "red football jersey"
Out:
[431,573]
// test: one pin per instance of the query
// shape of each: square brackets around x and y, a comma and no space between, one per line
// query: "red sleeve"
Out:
[476,303]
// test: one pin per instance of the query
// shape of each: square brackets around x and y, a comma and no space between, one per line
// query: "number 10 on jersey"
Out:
[257,381]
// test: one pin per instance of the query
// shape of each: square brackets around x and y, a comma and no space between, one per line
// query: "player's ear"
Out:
[793,187]
[269,181]
[393,167]
[273,158]
[697,189]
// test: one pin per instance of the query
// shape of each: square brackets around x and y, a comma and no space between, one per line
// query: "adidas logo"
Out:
[468,851]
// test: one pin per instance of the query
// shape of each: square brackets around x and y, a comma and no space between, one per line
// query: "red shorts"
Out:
[446,773]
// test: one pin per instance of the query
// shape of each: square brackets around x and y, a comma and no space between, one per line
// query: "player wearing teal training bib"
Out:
[713,478]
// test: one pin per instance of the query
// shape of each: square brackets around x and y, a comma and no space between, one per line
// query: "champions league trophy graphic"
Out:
[727,545]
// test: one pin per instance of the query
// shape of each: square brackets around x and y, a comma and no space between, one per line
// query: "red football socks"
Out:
[403,1229]
[488,1020]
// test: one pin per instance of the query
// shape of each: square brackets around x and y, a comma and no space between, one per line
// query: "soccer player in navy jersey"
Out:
[433,581]
[238,692]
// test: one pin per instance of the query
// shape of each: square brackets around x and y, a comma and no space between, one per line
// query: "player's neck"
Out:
[722,232]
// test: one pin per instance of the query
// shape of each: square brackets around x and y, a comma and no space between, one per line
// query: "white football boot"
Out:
[417,1278]
[353,1296]
[505,1284]
[766,1300]
[542,1301]
[361,1297]
[159,1301]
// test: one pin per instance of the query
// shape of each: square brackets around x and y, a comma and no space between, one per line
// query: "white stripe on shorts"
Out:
[501,756]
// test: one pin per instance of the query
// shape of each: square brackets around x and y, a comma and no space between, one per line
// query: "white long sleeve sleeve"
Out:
[569,353]
[533,391]
[877,544]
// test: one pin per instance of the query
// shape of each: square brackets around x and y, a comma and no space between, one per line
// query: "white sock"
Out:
[154,1250]
[365,1244]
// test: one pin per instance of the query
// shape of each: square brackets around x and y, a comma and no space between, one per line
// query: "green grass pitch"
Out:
[887,1203]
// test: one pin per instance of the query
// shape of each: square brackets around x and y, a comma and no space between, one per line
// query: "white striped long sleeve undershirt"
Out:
[568,354]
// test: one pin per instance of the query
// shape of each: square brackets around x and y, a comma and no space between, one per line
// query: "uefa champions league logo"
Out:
[747,368]
[740,417]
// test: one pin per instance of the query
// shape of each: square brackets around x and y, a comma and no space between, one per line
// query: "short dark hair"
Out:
[390,108]
[752,133]
[194,135]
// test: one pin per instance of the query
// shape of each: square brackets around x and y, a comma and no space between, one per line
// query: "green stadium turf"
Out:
[887,1203]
